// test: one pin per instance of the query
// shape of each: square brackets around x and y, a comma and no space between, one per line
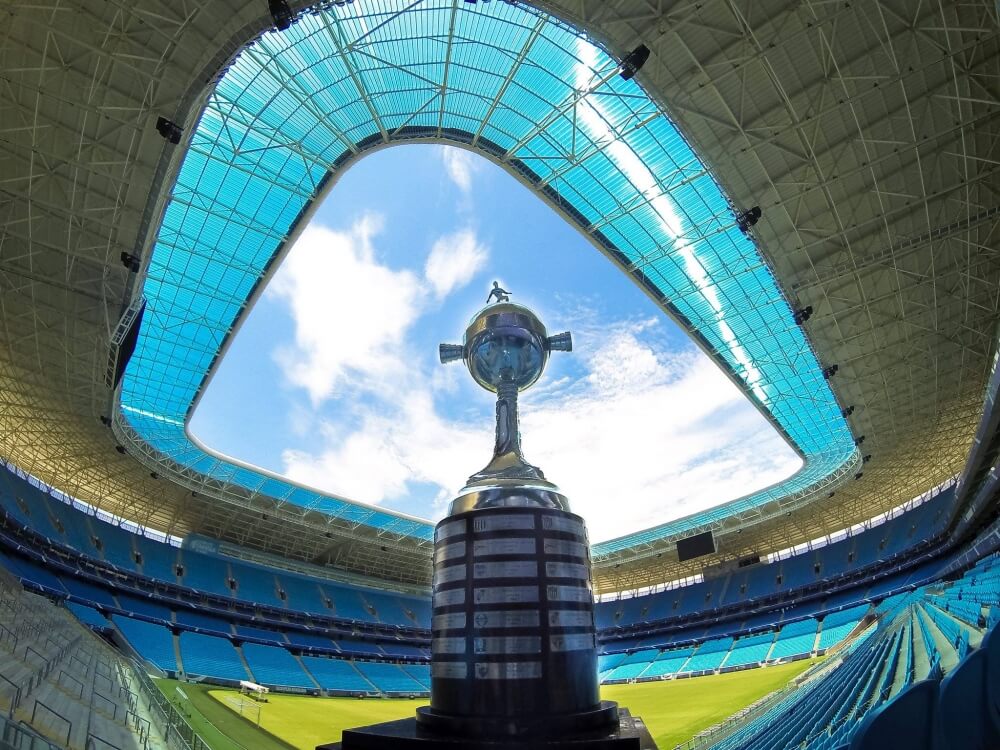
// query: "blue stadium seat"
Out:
[991,647]
[154,643]
[88,615]
[751,649]
[116,545]
[203,621]
[419,672]
[254,584]
[347,603]
[309,640]
[273,665]
[401,649]
[909,721]
[211,656]
[303,594]
[75,523]
[205,573]
[31,571]
[337,674]
[262,633]
[88,591]
[388,678]
[158,560]
[962,706]
[149,607]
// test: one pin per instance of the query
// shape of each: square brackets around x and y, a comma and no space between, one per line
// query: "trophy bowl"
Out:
[506,343]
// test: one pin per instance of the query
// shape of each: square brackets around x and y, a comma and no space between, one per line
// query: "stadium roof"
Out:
[866,132]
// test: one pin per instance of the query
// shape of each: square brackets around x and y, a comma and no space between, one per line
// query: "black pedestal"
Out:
[406,734]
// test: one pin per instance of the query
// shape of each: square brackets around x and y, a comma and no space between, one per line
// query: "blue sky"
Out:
[333,379]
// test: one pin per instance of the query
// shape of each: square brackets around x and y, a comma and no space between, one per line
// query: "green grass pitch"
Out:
[674,710]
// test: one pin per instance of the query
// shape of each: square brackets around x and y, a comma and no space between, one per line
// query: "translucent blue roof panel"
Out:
[531,94]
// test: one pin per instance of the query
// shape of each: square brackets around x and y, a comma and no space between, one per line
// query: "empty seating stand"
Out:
[337,675]
[752,649]
[61,682]
[884,689]
[211,656]
[274,666]
[390,679]
[795,639]
[709,655]
[154,643]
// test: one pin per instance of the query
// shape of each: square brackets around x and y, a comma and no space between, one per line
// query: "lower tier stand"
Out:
[407,734]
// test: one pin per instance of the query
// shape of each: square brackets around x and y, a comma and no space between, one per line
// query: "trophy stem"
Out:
[508,429]
[508,462]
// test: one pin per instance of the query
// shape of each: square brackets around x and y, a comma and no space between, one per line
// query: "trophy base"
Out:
[630,733]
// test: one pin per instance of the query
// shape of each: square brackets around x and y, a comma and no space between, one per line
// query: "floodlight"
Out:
[131,262]
[281,14]
[748,218]
[802,315]
[169,130]
[634,61]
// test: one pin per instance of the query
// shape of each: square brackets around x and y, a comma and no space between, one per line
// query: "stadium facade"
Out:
[161,157]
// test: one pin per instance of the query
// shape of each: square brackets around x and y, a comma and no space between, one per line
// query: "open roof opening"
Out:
[333,380]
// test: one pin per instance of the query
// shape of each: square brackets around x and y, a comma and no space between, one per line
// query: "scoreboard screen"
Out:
[695,546]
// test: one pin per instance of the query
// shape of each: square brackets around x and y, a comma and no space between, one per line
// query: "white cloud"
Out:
[651,438]
[454,260]
[352,313]
[408,442]
[643,438]
[461,165]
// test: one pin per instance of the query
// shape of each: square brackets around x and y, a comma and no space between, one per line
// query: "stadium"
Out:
[157,161]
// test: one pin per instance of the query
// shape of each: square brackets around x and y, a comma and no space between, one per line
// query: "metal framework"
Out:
[866,131]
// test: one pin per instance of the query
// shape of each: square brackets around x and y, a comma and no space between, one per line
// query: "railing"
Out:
[139,725]
[109,687]
[76,658]
[106,702]
[47,665]
[16,699]
[19,736]
[65,722]
[178,734]
[79,685]
[7,636]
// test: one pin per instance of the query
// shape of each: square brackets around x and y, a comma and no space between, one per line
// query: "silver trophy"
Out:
[513,639]
[513,649]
